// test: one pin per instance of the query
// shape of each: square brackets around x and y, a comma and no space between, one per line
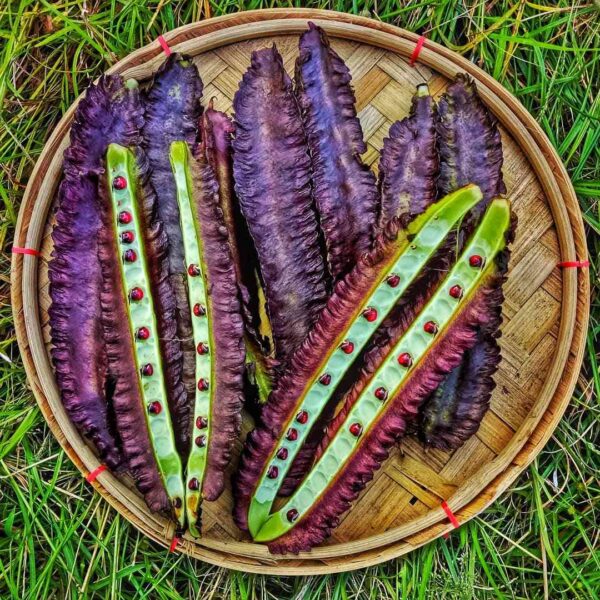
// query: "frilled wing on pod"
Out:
[345,189]
[217,130]
[359,304]
[136,359]
[469,142]
[172,113]
[409,163]
[455,410]
[397,380]
[470,150]
[217,327]
[108,112]
[272,180]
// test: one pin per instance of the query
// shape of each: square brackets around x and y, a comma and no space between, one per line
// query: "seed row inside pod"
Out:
[123,186]
[427,232]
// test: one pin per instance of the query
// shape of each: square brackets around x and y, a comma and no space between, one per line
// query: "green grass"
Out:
[59,540]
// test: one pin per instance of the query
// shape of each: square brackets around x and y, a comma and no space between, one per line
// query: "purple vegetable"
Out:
[470,151]
[376,442]
[409,163]
[345,189]
[272,181]
[172,112]
[94,333]
[469,142]
[75,274]
[225,326]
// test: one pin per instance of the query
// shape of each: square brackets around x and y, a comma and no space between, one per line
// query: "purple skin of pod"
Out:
[401,409]
[345,189]
[470,151]
[409,162]
[306,361]
[272,180]
[225,325]
[95,334]
[172,112]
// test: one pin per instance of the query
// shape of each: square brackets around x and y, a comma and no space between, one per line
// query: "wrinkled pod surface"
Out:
[359,304]
[377,410]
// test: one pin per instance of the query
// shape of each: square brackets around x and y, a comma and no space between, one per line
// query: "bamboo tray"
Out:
[545,313]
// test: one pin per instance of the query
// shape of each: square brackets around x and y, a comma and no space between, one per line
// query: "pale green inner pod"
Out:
[134,274]
[427,232]
[197,285]
[487,241]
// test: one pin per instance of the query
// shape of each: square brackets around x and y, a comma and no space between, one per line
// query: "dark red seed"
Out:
[272,472]
[292,434]
[201,422]
[202,348]
[177,502]
[202,384]
[393,280]
[143,333]
[431,327]
[199,310]
[381,394]
[356,429]
[282,453]
[476,261]
[119,183]
[292,515]
[147,370]
[154,408]
[405,360]
[194,484]
[125,217]
[127,237]
[456,291]
[347,347]
[194,270]
[129,256]
[302,417]
[370,314]
[136,294]
[325,379]
[200,441]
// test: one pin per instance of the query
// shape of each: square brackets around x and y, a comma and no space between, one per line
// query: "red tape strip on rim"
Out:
[174,543]
[577,264]
[450,515]
[164,45]
[415,55]
[30,251]
[92,475]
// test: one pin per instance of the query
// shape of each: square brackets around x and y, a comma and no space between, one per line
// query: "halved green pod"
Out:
[411,252]
[217,329]
[136,282]
[378,399]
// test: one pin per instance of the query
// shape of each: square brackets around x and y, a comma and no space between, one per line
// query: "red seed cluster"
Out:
[302,417]
[136,294]
[347,347]
[356,429]
[405,360]
[370,314]
[199,310]
[456,291]
[125,217]
[430,327]
[393,280]
[325,379]
[119,183]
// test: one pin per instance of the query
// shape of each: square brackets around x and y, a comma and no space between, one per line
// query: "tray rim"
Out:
[402,42]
